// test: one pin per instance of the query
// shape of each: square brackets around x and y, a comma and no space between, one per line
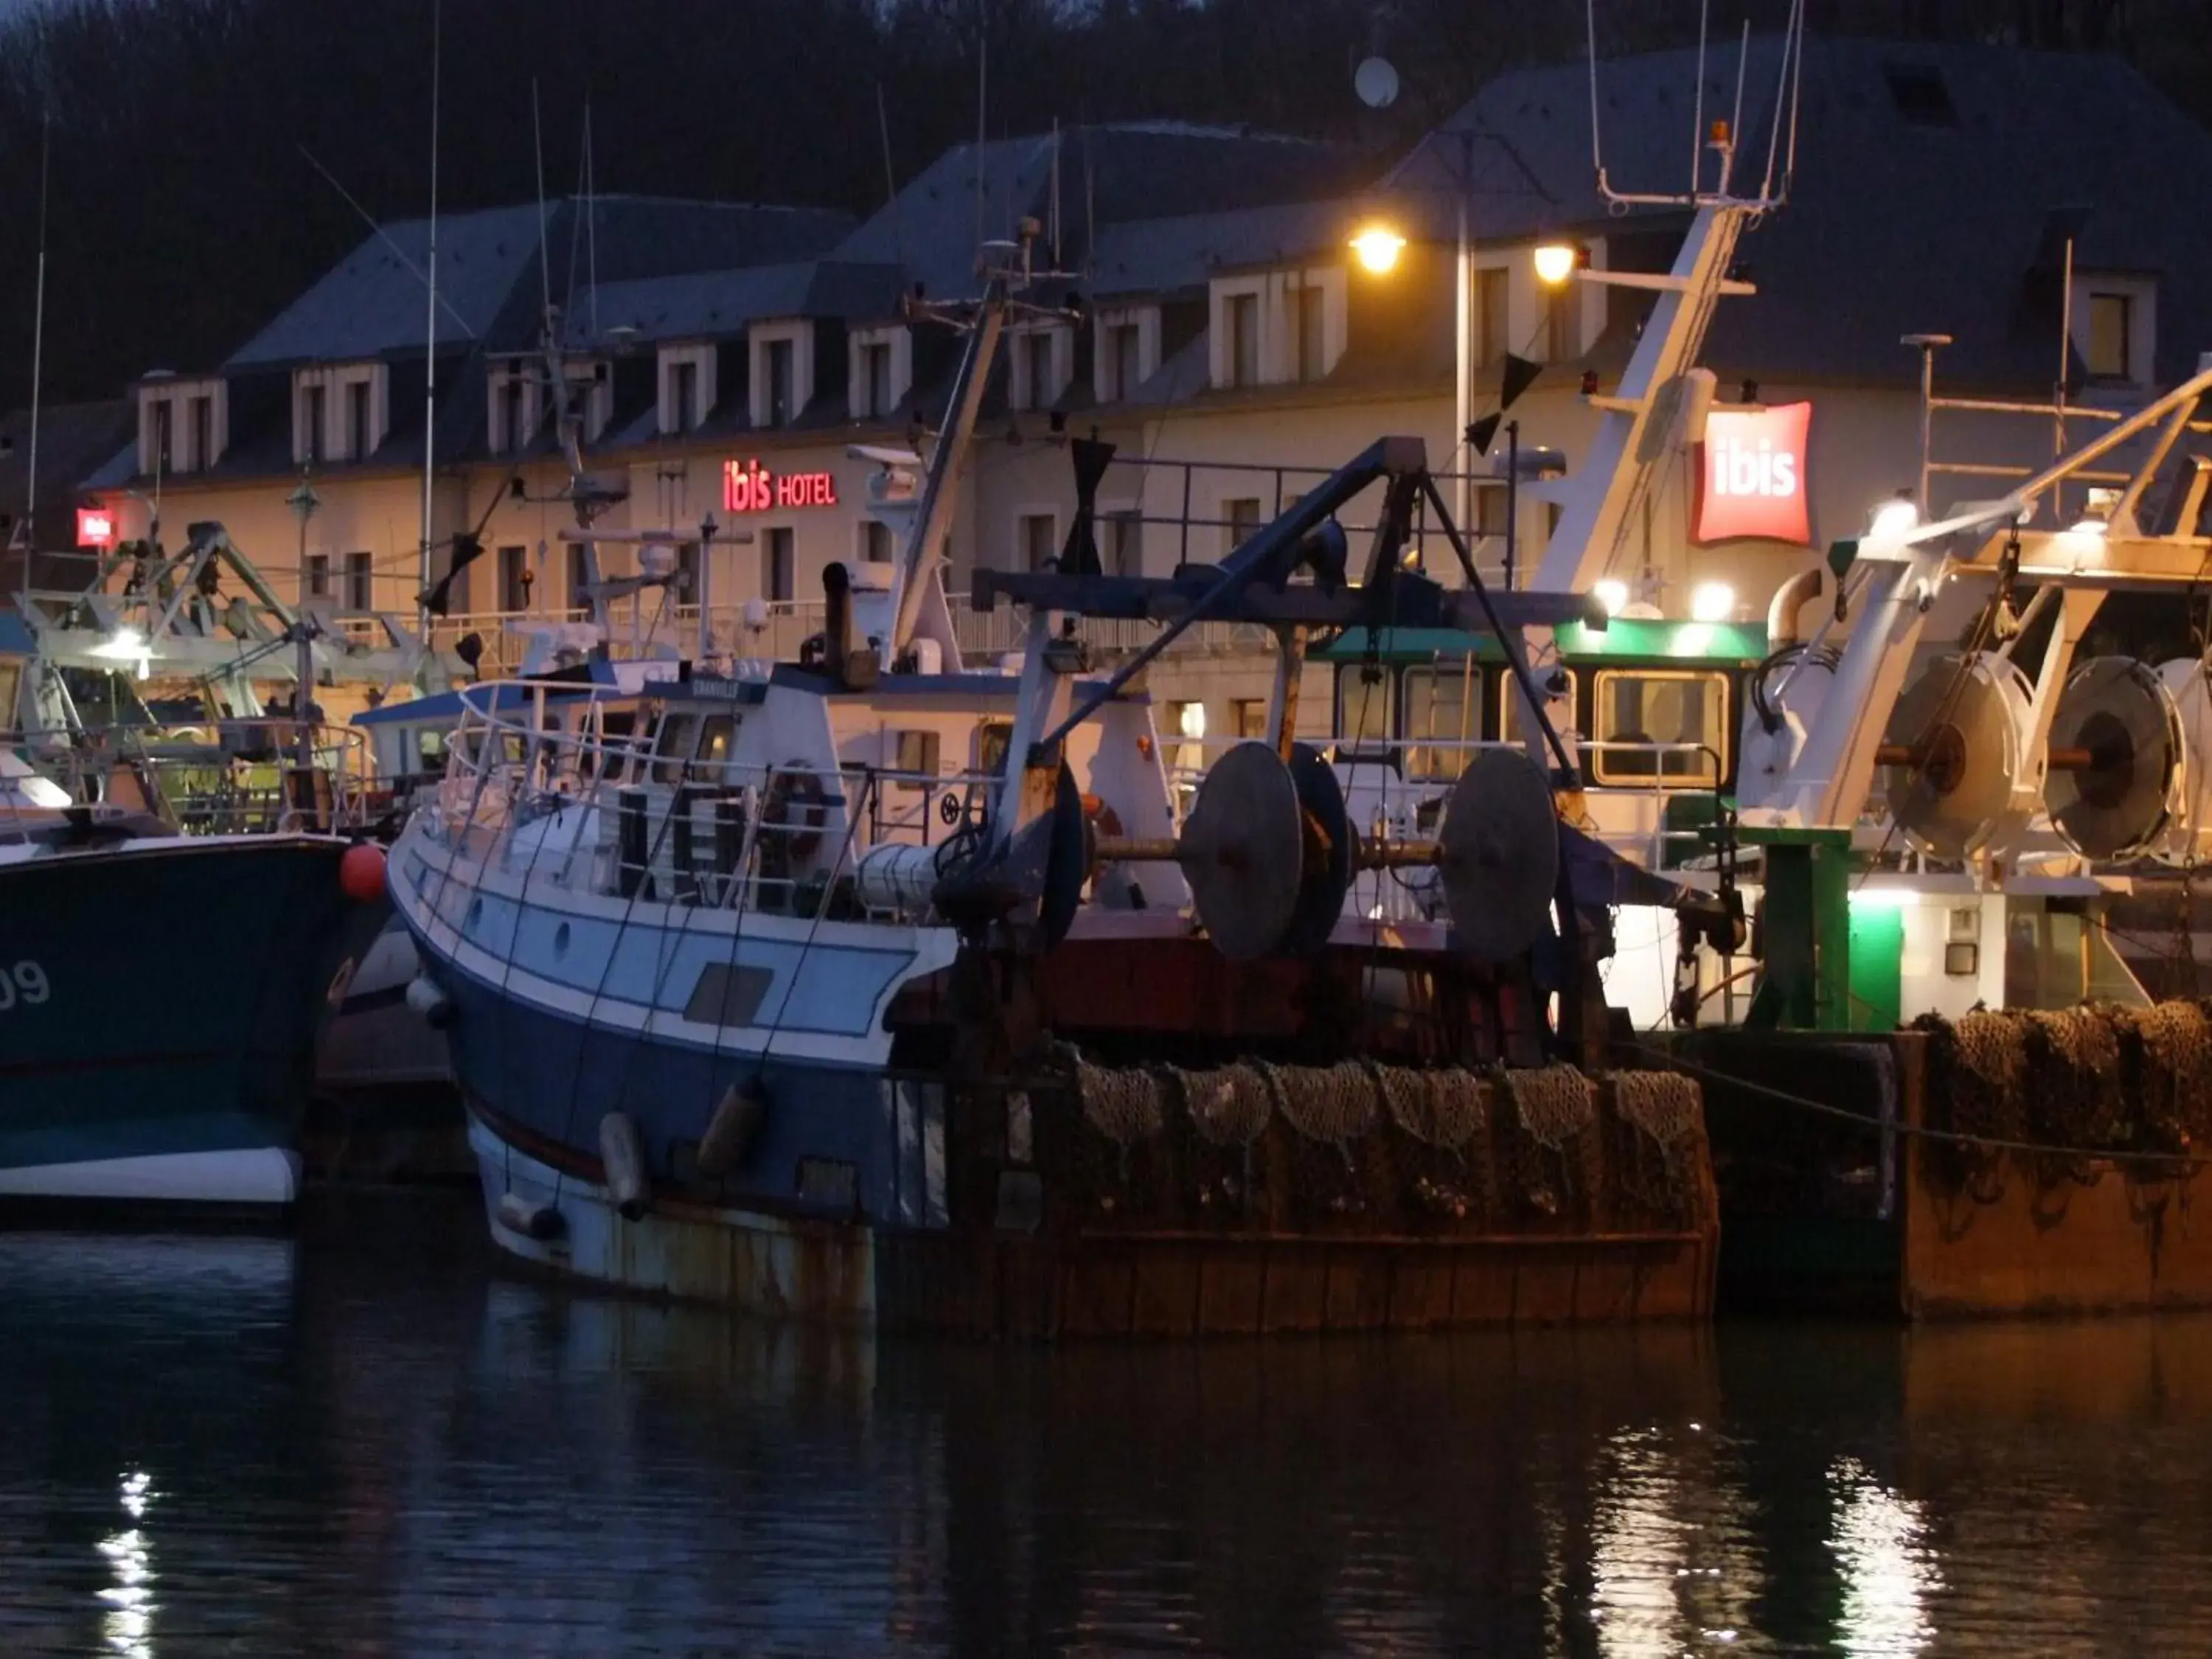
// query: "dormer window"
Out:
[882,372]
[1127,351]
[782,372]
[688,391]
[339,412]
[513,407]
[1278,328]
[2113,327]
[184,426]
[590,396]
[1043,365]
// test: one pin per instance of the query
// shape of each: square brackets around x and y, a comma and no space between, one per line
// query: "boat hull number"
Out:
[22,984]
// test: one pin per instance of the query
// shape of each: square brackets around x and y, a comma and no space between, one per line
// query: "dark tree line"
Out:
[185,210]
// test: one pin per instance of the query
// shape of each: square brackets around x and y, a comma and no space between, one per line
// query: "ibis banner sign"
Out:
[95,527]
[1751,477]
[748,487]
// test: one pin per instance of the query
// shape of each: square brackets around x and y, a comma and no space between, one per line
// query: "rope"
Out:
[1924,1132]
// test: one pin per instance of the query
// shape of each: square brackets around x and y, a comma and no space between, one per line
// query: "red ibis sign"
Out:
[748,487]
[1751,476]
[95,527]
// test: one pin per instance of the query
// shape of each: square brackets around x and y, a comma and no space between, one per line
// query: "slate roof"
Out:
[1108,173]
[1926,178]
[718,304]
[374,303]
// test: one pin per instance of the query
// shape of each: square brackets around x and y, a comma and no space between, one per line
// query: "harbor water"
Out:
[366,1439]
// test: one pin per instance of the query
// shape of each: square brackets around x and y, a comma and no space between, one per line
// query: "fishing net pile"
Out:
[1266,1148]
[2067,1088]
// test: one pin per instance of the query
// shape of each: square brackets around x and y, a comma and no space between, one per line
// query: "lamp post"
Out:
[304,502]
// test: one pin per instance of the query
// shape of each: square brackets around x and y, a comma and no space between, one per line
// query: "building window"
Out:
[1560,326]
[203,418]
[514,579]
[778,358]
[360,434]
[513,391]
[778,558]
[311,440]
[1036,365]
[876,398]
[1684,714]
[2112,337]
[1125,361]
[1552,513]
[1243,513]
[1248,717]
[318,583]
[875,541]
[165,459]
[1123,554]
[360,582]
[1490,293]
[1241,312]
[683,396]
[686,582]
[1313,331]
[579,579]
[1489,508]
[1037,533]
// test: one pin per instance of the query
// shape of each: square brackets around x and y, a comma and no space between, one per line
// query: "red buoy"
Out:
[361,873]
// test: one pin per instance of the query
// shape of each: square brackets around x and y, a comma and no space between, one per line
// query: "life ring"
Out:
[795,806]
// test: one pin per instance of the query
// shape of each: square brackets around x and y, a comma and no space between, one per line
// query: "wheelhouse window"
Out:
[1363,711]
[1510,726]
[1442,716]
[1681,715]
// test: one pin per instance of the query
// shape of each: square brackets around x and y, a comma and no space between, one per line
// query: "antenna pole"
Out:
[982,93]
[38,367]
[1698,120]
[430,334]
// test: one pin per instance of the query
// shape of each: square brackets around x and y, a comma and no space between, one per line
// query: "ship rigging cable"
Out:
[1924,1132]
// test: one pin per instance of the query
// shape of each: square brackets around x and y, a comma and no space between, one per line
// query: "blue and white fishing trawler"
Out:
[760,982]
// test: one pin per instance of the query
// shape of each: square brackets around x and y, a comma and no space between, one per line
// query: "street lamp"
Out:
[1377,247]
[1556,262]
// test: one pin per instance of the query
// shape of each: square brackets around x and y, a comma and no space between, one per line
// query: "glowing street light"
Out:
[1555,263]
[1377,247]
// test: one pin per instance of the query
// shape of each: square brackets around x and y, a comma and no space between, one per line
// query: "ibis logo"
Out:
[748,487]
[95,527]
[1751,476]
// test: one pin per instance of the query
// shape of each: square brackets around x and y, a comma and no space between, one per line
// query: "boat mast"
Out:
[430,334]
[1655,389]
[30,531]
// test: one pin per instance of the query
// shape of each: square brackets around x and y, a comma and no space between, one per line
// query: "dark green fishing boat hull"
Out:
[158,1021]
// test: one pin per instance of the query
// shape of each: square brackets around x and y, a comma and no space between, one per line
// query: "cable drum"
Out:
[2119,715]
[1965,721]
[2189,831]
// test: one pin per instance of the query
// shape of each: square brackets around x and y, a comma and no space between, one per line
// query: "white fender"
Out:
[622,1157]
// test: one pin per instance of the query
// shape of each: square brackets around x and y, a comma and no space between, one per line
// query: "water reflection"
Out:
[381,1449]
[128,1624]
[1889,1570]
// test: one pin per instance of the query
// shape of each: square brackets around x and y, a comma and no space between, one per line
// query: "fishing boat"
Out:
[158,995]
[874,988]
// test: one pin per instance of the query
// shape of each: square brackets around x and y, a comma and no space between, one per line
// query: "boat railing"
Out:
[210,777]
[1397,787]
[616,814]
